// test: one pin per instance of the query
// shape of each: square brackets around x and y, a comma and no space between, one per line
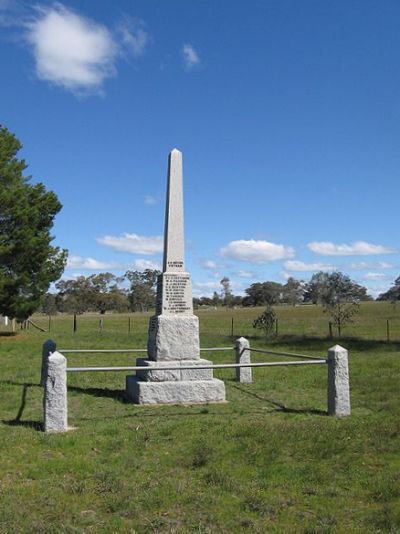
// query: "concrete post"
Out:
[55,394]
[338,382]
[243,374]
[49,347]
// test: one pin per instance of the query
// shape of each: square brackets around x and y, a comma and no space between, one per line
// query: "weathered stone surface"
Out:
[49,347]
[338,382]
[174,375]
[55,394]
[173,338]
[173,231]
[243,374]
[177,392]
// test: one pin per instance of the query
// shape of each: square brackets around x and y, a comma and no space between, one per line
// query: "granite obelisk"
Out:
[173,339]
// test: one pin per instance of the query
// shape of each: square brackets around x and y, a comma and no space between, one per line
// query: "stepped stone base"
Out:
[174,375]
[175,392]
[173,337]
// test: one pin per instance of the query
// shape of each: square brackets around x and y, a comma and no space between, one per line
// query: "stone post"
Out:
[338,382]
[49,347]
[55,394]
[243,374]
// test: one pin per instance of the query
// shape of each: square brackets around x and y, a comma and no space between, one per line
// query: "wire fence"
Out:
[376,321]
[383,325]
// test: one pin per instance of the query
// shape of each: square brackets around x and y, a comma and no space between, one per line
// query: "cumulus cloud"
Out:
[246,274]
[209,264]
[191,57]
[134,37]
[361,265]
[77,262]
[142,265]
[376,290]
[133,243]
[300,266]
[374,276]
[254,251]
[207,285]
[70,50]
[150,200]
[358,248]
[205,289]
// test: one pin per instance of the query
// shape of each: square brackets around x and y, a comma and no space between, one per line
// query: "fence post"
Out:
[387,331]
[55,394]
[49,347]
[243,374]
[330,330]
[338,382]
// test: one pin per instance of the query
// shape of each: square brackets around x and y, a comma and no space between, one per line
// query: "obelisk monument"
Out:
[174,330]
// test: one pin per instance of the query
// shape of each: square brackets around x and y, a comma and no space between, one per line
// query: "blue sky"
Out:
[287,114]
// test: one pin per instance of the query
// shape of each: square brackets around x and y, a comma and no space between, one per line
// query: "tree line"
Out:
[294,291]
[134,291]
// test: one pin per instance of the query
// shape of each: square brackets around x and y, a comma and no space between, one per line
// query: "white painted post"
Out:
[55,394]
[338,382]
[243,374]
[49,347]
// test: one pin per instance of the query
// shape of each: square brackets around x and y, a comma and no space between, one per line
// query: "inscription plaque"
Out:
[174,294]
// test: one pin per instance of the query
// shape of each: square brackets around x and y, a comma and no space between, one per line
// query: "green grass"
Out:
[269,460]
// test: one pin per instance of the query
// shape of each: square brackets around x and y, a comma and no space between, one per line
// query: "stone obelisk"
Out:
[174,331]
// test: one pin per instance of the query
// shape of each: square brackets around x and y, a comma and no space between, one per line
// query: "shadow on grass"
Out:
[8,334]
[117,394]
[36,425]
[278,407]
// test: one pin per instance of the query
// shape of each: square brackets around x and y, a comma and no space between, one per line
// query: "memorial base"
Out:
[175,392]
[194,373]
[173,337]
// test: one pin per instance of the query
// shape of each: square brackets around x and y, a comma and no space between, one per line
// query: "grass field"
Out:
[269,460]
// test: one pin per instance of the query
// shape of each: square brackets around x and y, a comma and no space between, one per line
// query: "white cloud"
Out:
[256,251]
[150,200]
[209,264]
[361,265]
[191,57]
[358,248]
[246,274]
[77,262]
[71,51]
[133,243]
[133,35]
[300,266]
[207,285]
[205,289]
[142,265]
[375,290]
[374,276]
